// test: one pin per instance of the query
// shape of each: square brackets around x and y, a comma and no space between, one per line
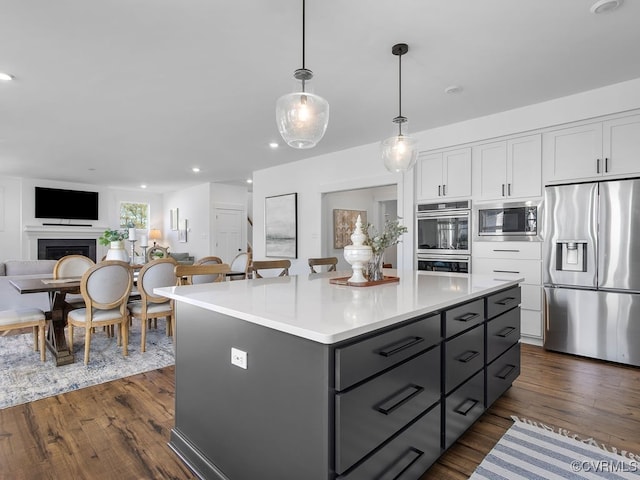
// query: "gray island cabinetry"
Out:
[340,382]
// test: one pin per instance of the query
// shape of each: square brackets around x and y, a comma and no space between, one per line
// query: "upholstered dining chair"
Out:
[197,274]
[71,266]
[329,262]
[241,263]
[258,268]
[155,274]
[19,318]
[105,288]
[200,278]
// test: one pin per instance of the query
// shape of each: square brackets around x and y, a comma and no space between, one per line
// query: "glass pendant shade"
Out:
[302,118]
[399,153]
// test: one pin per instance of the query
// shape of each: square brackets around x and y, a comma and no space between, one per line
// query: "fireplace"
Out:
[56,248]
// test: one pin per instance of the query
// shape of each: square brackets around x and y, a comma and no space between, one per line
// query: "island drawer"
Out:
[464,356]
[502,301]
[369,414]
[502,332]
[463,407]
[463,317]
[502,372]
[408,455]
[360,360]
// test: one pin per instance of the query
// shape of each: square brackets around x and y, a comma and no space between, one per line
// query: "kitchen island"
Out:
[295,377]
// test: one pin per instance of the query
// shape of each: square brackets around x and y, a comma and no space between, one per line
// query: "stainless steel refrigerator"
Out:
[591,269]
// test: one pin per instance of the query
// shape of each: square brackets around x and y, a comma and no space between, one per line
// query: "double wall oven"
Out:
[443,236]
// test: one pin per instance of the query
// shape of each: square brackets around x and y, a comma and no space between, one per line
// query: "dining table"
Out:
[57,290]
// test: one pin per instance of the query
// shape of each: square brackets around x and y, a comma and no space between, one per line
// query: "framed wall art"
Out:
[173,218]
[344,222]
[281,225]
[182,231]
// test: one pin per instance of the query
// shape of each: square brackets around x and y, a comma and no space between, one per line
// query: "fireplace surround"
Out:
[56,248]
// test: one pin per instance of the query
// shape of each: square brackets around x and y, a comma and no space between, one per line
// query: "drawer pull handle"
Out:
[505,271]
[505,301]
[467,356]
[506,250]
[466,317]
[391,403]
[399,346]
[505,332]
[466,406]
[401,464]
[505,372]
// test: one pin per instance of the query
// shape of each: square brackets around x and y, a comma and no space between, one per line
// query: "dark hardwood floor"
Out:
[119,430]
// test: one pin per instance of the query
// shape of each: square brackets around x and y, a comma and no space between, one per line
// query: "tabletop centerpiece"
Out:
[379,241]
[114,239]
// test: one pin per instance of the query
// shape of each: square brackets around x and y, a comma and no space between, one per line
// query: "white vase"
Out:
[117,252]
[357,254]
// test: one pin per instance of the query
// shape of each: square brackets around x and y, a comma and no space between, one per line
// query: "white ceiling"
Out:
[124,92]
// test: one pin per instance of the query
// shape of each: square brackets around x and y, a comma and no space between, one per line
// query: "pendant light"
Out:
[302,116]
[399,152]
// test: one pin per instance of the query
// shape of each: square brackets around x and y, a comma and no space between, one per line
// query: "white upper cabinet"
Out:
[444,175]
[508,168]
[600,149]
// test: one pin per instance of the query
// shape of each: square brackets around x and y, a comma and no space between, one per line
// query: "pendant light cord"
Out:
[400,94]
[303,32]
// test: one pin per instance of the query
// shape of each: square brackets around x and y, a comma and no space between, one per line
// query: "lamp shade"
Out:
[399,153]
[302,118]
[155,234]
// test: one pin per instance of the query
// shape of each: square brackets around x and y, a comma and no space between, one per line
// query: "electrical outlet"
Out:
[238,358]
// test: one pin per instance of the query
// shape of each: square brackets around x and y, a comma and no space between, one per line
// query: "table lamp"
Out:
[155,234]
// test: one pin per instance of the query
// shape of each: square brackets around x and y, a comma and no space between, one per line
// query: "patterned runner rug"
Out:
[24,378]
[530,450]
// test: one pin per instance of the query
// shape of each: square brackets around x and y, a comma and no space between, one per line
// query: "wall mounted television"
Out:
[66,204]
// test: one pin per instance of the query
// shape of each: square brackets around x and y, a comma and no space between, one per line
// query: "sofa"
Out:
[10,298]
[182,258]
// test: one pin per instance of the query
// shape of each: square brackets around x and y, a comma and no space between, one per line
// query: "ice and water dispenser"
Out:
[571,255]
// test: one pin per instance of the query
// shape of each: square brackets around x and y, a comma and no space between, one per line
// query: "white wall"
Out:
[196,204]
[10,218]
[361,166]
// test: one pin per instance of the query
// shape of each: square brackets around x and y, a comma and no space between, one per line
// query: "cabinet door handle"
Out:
[505,332]
[503,189]
[398,346]
[606,165]
[467,356]
[401,464]
[466,317]
[439,190]
[509,189]
[398,399]
[466,406]
[444,190]
[505,372]
[597,165]
[505,271]
[505,301]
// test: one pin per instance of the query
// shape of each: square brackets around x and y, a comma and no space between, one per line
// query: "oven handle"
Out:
[464,214]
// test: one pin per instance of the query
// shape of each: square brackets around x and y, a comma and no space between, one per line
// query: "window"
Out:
[134,213]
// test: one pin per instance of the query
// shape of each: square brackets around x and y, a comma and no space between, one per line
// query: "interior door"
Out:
[228,233]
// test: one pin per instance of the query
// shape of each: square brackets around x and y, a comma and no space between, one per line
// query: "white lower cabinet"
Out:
[510,260]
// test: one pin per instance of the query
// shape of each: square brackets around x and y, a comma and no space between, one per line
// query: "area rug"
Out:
[24,378]
[531,450]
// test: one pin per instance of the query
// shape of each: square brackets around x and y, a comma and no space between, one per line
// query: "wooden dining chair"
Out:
[329,262]
[18,318]
[105,288]
[241,263]
[260,266]
[155,274]
[71,266]
[197,274]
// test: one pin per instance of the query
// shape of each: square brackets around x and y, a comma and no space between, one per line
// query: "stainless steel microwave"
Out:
[515,221]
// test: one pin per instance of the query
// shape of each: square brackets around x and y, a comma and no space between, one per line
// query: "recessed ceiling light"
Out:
[5,77]
[249,180]
[603,6]
[143,186]
[453,89]
[273,145]
[195,169]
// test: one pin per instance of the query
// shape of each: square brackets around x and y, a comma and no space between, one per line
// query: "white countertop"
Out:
[312,308]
